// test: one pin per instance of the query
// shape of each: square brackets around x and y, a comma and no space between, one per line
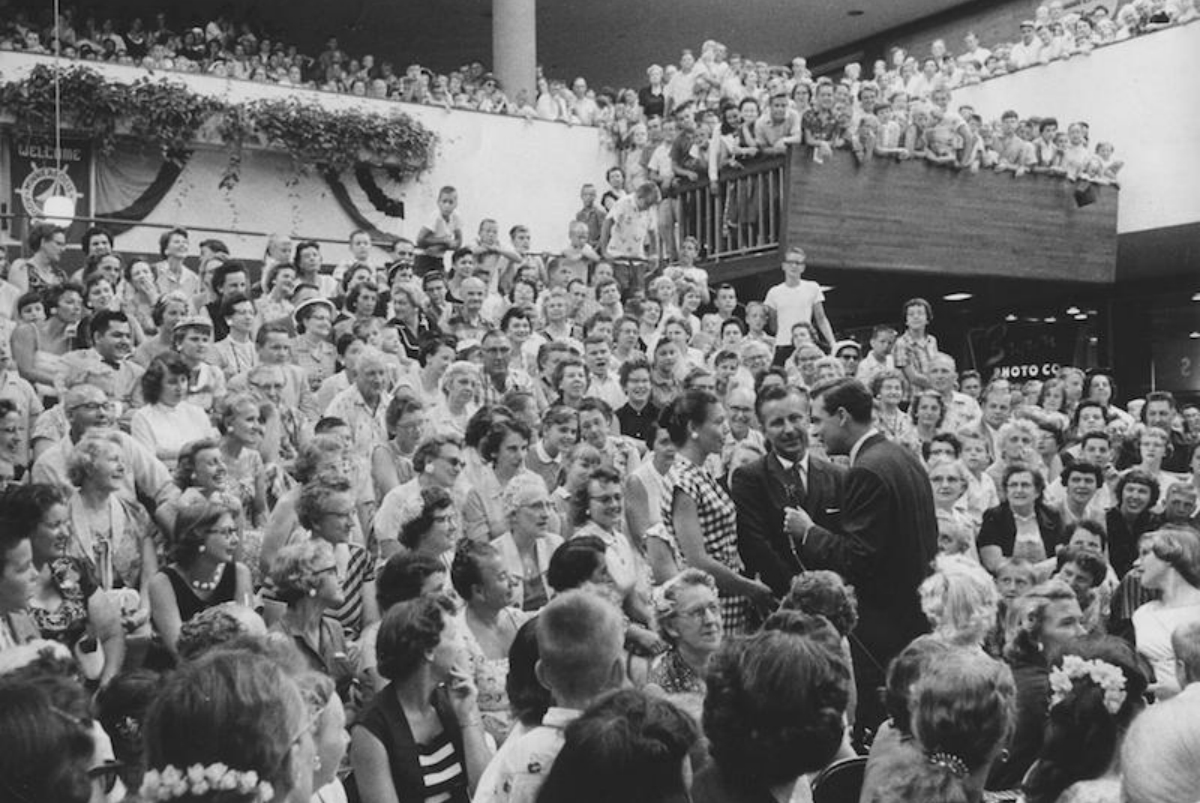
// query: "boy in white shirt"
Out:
[793,301]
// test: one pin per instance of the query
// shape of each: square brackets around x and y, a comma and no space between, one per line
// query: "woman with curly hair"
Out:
[305,579]
[1171,566]
[959,600]
[688,613]
[1041,623]
[1097,688]
[203,571]
[774,711]
[423,737]
[240,718]
[628,746]
[961,713]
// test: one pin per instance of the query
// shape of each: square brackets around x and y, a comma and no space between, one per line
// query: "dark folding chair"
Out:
[840,782]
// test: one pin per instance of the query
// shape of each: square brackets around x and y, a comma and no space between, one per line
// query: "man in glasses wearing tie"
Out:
[788,477]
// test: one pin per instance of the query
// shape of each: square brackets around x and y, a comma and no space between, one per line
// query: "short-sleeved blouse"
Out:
[718,527]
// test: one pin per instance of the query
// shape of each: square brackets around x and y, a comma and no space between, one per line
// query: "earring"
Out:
[203,548]
[316,763]
[312,592]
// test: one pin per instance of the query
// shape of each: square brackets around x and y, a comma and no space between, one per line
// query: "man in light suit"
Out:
[788,476]
[887,538]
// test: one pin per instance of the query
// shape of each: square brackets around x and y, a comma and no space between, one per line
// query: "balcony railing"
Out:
[743,215]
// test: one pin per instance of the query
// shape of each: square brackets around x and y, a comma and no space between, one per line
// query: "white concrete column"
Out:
[514,46]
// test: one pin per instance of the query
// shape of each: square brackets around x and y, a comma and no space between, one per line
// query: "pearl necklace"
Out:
[208,585]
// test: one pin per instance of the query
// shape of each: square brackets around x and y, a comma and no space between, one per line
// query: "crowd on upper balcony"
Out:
[238,49]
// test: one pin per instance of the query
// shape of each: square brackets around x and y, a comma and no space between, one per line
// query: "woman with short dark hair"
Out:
[203,572]
[1021,526]
[628,746]
[423,735]
[701,516]
[168,421]
[774,711]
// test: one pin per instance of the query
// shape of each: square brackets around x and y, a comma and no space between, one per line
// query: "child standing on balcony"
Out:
[796,300]
[444,234]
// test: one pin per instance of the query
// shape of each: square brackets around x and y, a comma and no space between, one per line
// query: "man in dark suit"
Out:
[887,539]
[786,477]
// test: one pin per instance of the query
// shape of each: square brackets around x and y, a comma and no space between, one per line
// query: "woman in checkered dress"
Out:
[701,516]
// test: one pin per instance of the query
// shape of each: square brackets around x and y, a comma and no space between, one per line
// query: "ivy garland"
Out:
[169,115]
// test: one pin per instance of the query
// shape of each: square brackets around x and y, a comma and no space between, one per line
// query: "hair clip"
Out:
[951,762]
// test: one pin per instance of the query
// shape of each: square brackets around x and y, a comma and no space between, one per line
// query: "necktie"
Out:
[798,477]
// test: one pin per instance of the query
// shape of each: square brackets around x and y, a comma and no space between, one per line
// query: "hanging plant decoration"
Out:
[170,116]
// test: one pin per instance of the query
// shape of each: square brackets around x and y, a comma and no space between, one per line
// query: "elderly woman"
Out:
[1170,565]
[530,540]
[1018,445]
[598,511]
[326,509]
[38,348]
[392,462]
[202,572]
[950,479]
[305,579]
[503,450]
[486,588]
[61,596]
[700,516]
[1022,526]
[437,463]
[461,386]
[110,532]
[168,420]
[759,751]
[429,709]
[41,271]
[688,612]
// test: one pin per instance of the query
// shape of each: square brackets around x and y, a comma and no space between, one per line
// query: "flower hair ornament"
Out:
[949,762]
[1103,674]
[170,782]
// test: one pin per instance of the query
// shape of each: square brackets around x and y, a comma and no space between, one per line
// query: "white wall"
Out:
[507,168]
[1143,95]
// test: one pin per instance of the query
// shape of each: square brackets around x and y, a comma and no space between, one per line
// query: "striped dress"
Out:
[442,770]
[718,527]
[360,569]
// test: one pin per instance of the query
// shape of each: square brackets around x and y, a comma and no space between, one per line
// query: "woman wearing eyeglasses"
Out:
[305,578]
[203,572]
[526,548]
[688,611]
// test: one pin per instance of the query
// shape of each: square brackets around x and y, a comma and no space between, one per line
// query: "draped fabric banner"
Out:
[342,196]
[378,198]
[131,184]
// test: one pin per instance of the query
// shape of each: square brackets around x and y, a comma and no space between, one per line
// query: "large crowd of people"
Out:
[900,109]
[470,511]
[479,523]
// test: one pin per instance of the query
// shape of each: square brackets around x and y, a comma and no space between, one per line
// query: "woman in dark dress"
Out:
[203,572]
[422,738]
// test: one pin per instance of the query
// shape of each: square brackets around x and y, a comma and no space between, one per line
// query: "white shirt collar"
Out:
[854,450]
[543,455]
